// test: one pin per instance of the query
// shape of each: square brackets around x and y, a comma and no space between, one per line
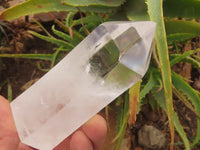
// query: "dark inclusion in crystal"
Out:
[108,56]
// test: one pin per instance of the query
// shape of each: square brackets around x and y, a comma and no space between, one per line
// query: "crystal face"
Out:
[105,64]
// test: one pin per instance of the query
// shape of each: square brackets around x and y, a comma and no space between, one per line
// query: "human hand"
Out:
[89,137]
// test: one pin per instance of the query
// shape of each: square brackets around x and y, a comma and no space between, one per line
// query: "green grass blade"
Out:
[53,40]
[193,96]
[182,56]
[156,15]
[148,86]
[182,8]
[9,92]
[188,59]
[120,111]
[69,19]
[65,36]
[76,35]
[54,58]
[42,27]
[159,97]
[124,123]
[28,56]
[186,102]
[193,61]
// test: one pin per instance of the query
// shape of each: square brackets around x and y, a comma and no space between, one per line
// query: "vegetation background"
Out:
[173,77]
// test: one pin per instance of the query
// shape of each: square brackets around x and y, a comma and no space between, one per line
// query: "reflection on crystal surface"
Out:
[105,64]
[105,59]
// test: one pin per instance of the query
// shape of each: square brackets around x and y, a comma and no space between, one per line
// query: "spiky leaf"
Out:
[78,3]
[181,85]
[156,15]
[182,8]
[43,6]
[137,10]
[159,97]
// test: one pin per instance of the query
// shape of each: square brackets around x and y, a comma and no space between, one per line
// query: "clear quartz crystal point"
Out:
[105,64]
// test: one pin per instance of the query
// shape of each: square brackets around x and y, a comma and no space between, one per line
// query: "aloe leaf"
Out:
[180,37]
[137,10]
[43,6]
[186,102]
[193,96]
[156,15]
[123,123]
[54,58]
[182,26]
[181,30]
[28,56]
[145,90]
[33,7]
[148,86]
[120,111]
[159,97]
[78,3]
[182,8]
[134,92]
[88,20]
[182,56]
[53,40]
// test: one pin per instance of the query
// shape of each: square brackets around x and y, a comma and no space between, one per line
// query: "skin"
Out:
[89,137]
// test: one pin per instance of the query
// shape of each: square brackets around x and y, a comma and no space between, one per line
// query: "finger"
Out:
[6,118]
[96,130]
[80,141]
[24,147]
[8,135]
[64,145]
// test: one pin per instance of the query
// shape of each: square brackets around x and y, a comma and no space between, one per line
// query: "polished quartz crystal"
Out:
[105,64]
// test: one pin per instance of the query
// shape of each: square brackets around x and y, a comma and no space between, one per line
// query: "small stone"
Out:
[125,145]
[150,137]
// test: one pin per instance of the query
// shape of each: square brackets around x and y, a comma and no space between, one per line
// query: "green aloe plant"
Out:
[161,82]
